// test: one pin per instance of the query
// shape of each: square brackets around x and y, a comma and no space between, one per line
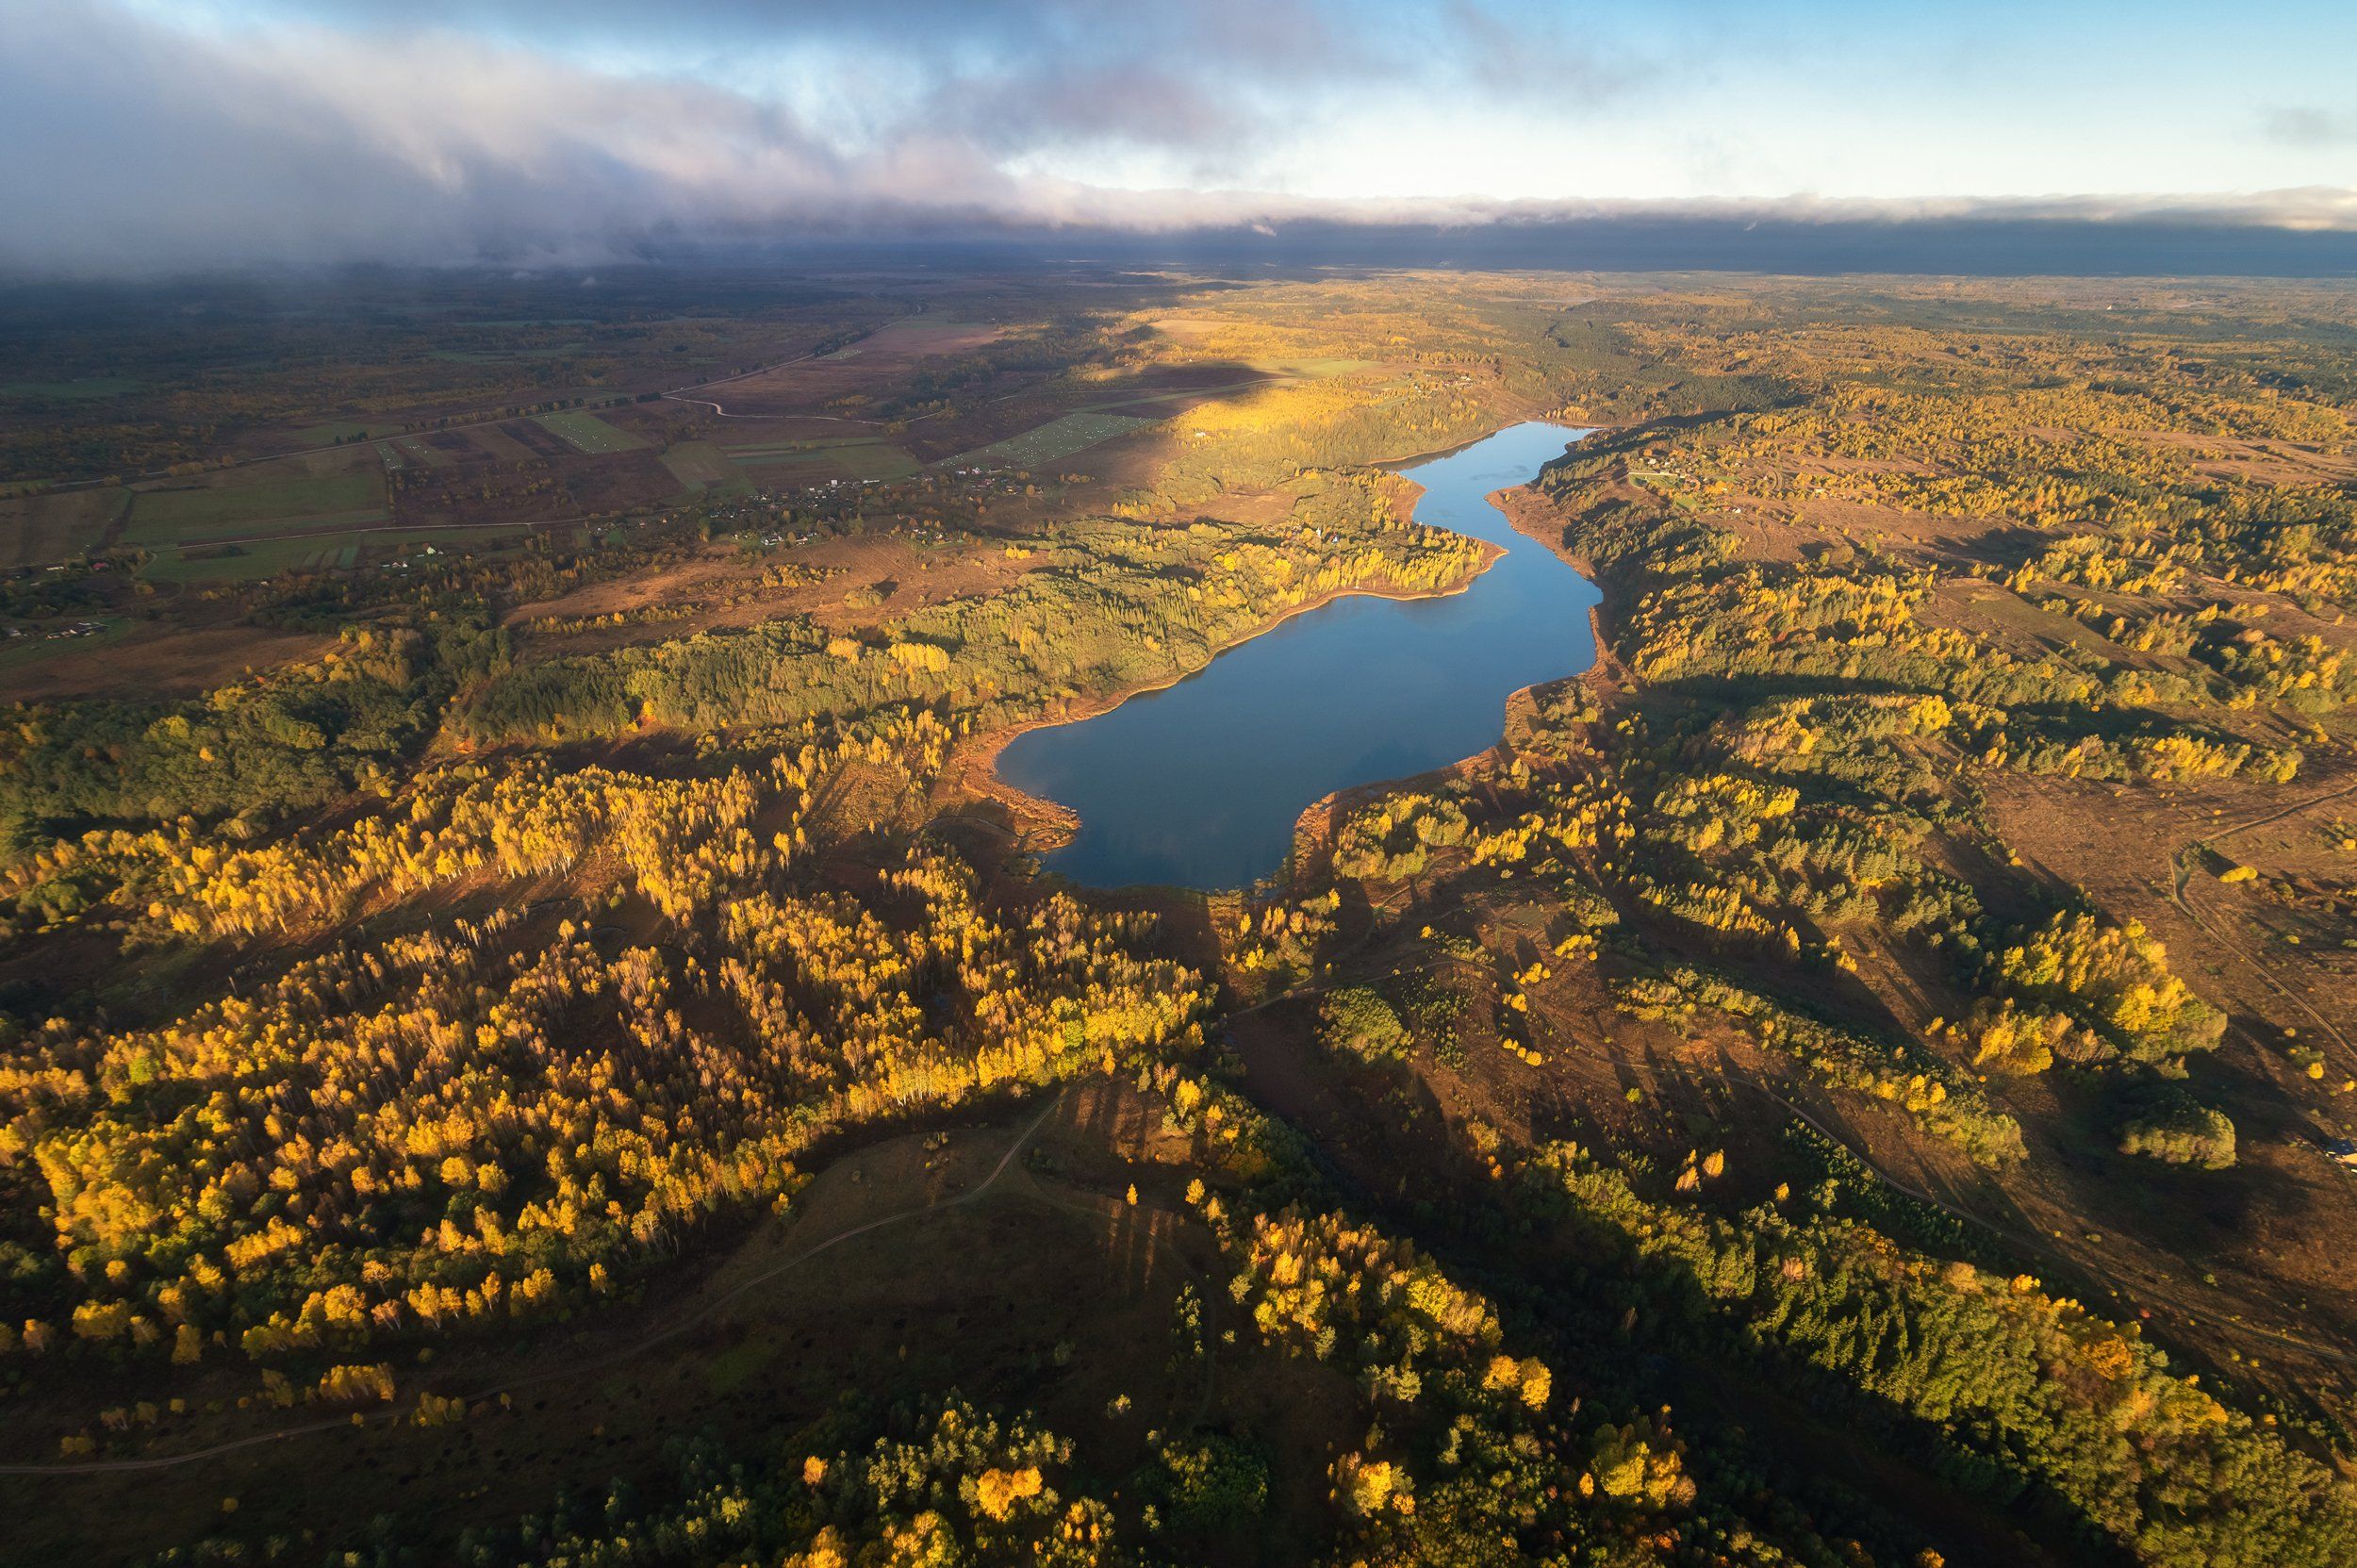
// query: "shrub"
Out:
[1356,1021]
[2172,1125]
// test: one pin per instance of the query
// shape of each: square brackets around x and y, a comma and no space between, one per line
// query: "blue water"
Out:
[1199,784]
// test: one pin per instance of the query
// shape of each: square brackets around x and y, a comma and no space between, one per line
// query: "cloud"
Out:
[2309,127]
[149,141]
[141,146]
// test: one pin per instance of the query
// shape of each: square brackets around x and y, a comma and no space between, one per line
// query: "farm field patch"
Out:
[861,458]
[173,517]
[494,441]
[701,466]
[79,389]
[37,529]
[590,433]
[1059,438]
[254,559]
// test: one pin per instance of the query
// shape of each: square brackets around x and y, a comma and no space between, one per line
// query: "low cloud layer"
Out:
[440,131]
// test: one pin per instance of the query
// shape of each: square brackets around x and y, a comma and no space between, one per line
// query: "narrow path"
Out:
[592,1364]
[2155,1294]
[1110,1211]
[679,394]
[2180,871]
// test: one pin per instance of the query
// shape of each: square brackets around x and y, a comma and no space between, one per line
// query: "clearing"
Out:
[590,433]
[278,506]
[1060,438]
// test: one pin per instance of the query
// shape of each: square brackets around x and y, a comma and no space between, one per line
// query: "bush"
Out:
[2172,1125]
[1356,1021]
[1213,1484]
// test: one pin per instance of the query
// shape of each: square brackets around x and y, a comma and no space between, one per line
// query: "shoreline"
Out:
[974,768]
[1512,501]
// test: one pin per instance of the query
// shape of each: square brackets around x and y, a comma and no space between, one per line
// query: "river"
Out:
[1199,784]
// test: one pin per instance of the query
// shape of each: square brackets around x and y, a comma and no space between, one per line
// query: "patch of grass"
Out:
[504,356]
[267,558]
[178,517]
[590,433]
[1059,438]
[860,457]
[701,466]
[39,529]
[260,558]
[38,646]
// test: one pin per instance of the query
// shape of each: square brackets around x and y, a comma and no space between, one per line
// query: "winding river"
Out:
[1199,784]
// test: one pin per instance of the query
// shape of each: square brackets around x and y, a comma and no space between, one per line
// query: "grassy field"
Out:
[277,505]
[590,433]
[701,466]
[35,530]
[496,443]
[1057,439]
[261,558]
[37,648]
[863,457]
[267,558]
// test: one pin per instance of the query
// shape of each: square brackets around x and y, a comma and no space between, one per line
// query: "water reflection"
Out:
[1200,784]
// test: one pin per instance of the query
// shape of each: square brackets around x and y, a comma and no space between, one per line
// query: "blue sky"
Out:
[409,129]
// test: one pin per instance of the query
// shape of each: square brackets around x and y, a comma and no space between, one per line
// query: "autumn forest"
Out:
[534,1032]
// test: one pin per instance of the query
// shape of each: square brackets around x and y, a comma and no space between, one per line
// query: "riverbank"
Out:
[1531,517]
[972,771]
[1204,784]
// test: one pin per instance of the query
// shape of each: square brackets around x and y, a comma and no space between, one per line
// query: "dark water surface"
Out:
[1199,784]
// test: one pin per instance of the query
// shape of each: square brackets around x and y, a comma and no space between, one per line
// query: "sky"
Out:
[153,136]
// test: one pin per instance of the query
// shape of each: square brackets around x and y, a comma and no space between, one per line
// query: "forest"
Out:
[560,1050]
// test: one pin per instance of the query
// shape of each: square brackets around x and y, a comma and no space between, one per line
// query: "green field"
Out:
[862,457]
[261,558]
[37,647]
[1056,438]
[36,530]
[268,557]
[270,507]
[590,433]
[701,466]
